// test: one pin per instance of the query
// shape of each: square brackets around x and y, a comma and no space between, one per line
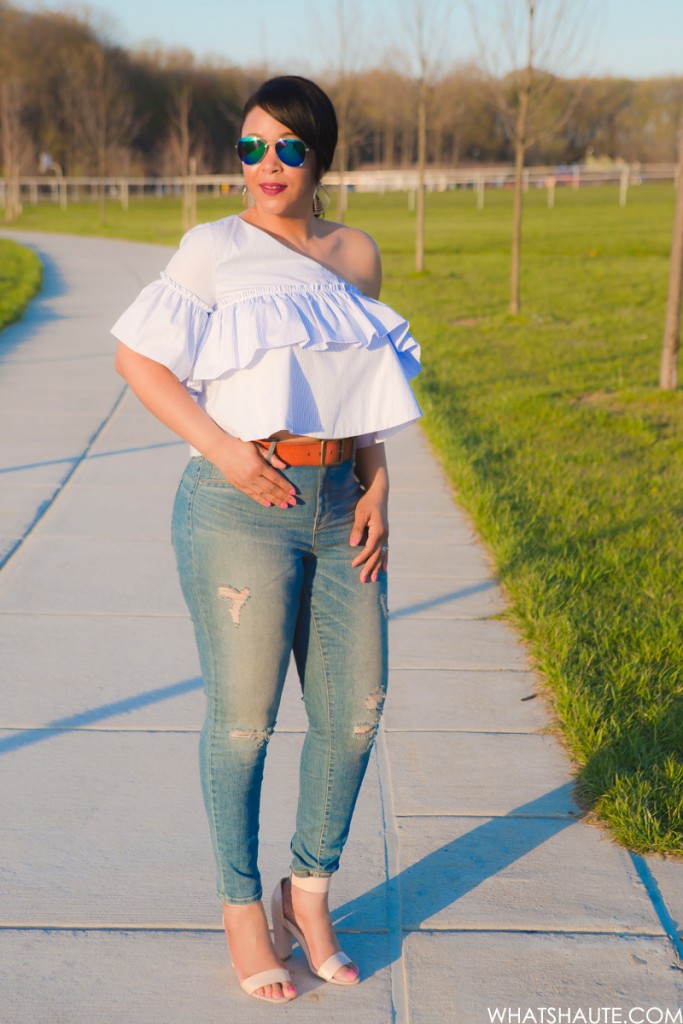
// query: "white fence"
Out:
[65,190]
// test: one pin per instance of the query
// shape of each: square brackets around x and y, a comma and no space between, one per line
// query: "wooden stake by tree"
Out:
[668,377]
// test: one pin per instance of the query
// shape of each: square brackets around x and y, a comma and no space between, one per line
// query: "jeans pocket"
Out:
[213,475]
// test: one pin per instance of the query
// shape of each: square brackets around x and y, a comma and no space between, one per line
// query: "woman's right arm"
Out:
[161,392]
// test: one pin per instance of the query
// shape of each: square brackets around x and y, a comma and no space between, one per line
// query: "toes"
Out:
[347,973]
[271,991]
[277,991]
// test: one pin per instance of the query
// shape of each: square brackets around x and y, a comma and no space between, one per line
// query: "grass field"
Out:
[20,277]
[560,445]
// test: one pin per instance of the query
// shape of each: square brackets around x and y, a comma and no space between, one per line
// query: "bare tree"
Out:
[530,37]
[186,149]
[99,109]
[349,30]
[341,36]
[451,99]
[425,23]
[16,145]
[668,377]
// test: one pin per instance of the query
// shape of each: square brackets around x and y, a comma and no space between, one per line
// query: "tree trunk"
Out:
[343,159]
[437,153]
[183,103]
[521,128]
[407,155]
[102,156]
[421,163]
[10,131]
[389,144]
[517,227]
[193,190]
[668,377]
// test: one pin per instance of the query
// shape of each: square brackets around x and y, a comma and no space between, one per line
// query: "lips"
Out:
[271,188]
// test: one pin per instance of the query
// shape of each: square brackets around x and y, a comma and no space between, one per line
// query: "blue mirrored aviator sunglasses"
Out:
[252,149]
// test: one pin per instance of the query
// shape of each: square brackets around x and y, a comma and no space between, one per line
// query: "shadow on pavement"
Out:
[436,881]
[455,595]
[27,737]
[89,457]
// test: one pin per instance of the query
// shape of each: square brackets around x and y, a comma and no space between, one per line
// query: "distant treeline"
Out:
[99,109]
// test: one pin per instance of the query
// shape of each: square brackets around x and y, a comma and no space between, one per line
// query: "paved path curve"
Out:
[468,885]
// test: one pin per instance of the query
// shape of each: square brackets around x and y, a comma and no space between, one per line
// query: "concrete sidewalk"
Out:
[467,884]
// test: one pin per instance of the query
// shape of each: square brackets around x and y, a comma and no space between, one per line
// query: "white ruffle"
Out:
[343,392]
[197,343]
[166,323]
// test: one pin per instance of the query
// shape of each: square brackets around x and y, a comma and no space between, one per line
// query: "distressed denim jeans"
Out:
[260,583]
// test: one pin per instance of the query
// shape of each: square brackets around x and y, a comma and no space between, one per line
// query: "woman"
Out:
[264,347]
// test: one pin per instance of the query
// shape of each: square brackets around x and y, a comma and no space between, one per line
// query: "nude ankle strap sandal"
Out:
[312,883]
[285,930]
[256,981]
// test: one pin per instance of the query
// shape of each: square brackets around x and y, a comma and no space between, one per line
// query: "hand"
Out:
[243,465]
[371,515]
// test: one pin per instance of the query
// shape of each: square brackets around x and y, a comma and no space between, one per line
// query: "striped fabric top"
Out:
[269,339]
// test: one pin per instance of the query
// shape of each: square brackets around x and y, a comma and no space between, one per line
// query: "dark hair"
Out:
[305,109]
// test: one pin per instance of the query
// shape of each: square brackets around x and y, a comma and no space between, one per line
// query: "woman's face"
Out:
[278,190]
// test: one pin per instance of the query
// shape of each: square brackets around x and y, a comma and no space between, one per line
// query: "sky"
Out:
[632,38]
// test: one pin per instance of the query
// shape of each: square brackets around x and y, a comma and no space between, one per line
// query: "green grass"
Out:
[21,274]
[570,460]
[560,445]
[146,220]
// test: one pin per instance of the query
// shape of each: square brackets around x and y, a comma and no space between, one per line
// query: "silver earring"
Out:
[321,200]
[247,198]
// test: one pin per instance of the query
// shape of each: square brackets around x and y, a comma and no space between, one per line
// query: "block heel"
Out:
[285,930]
[282,938]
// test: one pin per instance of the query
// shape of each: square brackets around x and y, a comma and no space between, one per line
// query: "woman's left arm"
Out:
[371,462]
[371,518]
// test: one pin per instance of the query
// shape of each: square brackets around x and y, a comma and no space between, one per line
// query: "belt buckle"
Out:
[323,452]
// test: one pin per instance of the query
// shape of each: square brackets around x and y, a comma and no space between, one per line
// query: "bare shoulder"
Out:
[354,255]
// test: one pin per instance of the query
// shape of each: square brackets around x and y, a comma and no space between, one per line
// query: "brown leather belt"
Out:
[311,453]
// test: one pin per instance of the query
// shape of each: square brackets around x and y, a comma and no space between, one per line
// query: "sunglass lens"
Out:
[251,150]
[291,151]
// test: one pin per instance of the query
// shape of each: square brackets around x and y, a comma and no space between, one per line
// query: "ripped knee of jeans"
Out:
[258,737]
[374,702]
[365,730]
[237,599]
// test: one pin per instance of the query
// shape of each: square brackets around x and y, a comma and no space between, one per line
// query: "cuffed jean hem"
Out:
[242,901]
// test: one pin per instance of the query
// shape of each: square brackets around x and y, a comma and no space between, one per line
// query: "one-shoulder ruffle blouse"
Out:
[269,339]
